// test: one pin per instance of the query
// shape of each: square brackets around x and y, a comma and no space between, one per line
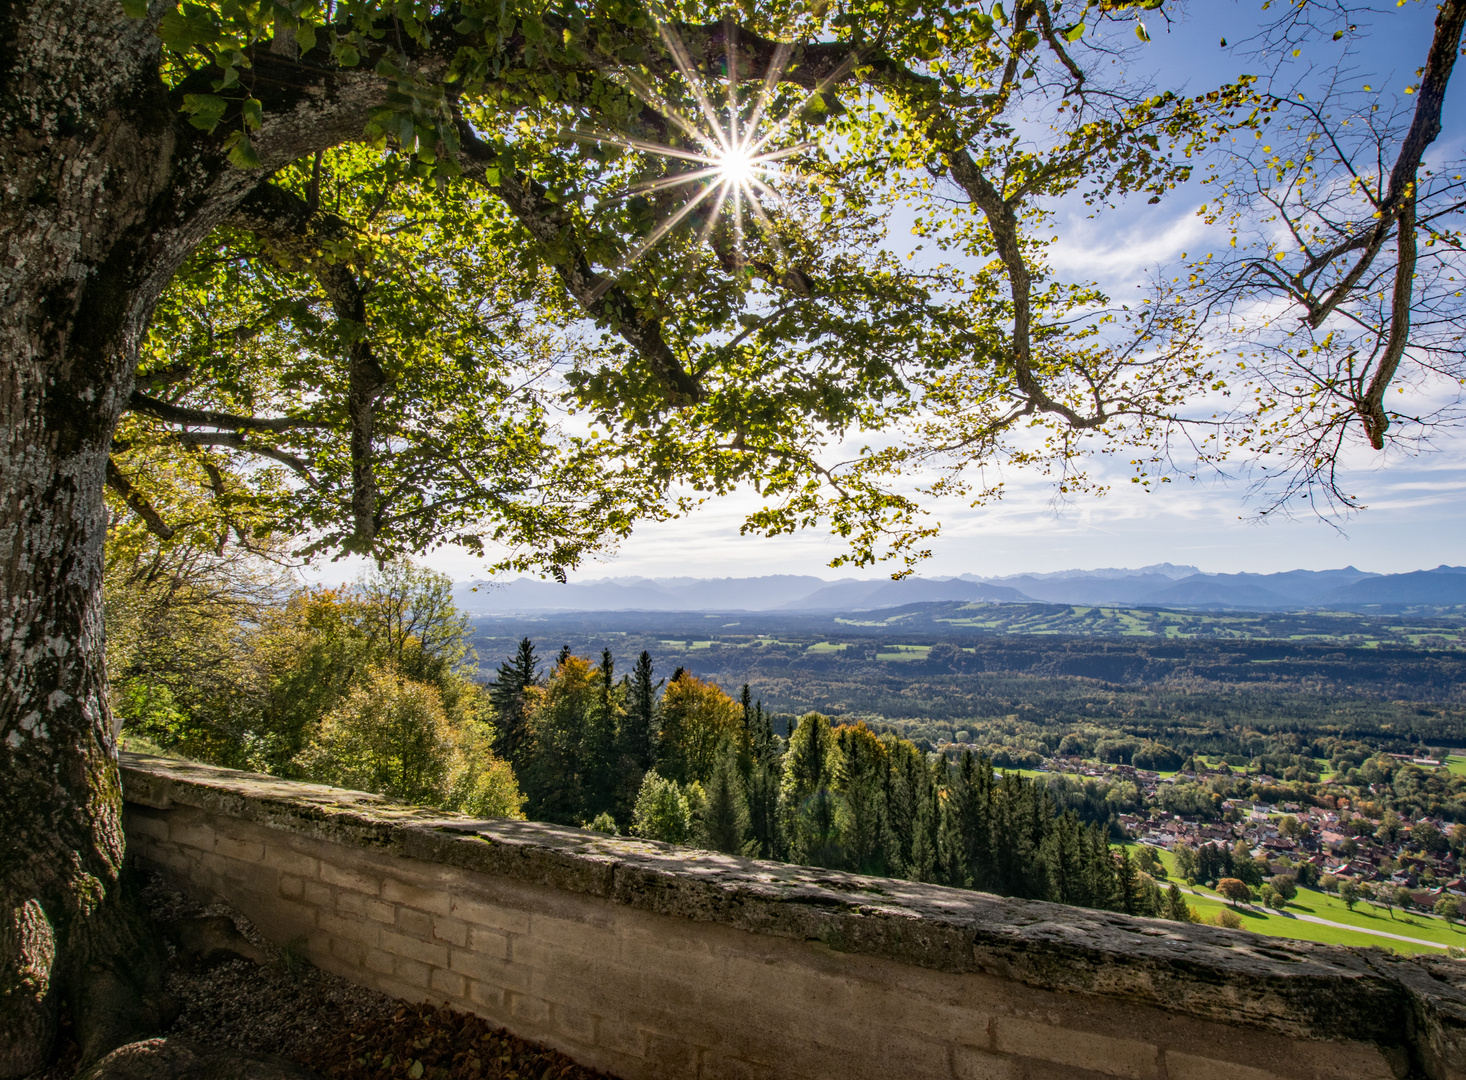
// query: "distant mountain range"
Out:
[1162,585]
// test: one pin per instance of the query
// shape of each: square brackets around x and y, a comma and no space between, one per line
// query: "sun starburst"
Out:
[738,148]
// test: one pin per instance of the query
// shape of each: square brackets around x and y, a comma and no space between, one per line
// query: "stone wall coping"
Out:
[1300,989]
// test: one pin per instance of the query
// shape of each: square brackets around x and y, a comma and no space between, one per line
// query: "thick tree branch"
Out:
[547,223]
[177,414]
[235,441]
[292,226]
[139,505]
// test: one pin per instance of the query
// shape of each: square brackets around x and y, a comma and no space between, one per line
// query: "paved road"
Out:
[1337,925]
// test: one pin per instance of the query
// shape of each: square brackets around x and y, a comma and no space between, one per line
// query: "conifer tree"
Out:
[902,788]
[972,805]
[924,833]
[602,727]
[506,693]
[764,781]
[725,823]
[1127,884]
[1176,907]
[863,768]
[810,807]
[639,728]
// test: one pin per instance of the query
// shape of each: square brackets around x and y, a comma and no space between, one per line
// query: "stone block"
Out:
[192,834]
[1181,1066]
[571,935]
[1075,1049]
[152,826]
[289,861]
[528,1010]
[351,953]
[494,916]
[449,983]
[413,973]
[427,952]
[318,895]
[971,1064]
[351,878]
[491,970]
[669,1055]
[574,1024]
[242,848]
[450,931]
[378,960]
[488,999]
[435,901]
[483,942]
[290,886]
[361,931]
[418,924]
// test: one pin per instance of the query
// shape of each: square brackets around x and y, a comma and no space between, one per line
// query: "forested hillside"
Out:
[931,679]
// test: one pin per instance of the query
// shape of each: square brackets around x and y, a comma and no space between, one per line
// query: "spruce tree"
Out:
[1176,907]
[1127,884]
[725,821]
[973,808]
[809,803]
[639,729]
[506,693]
[602,728]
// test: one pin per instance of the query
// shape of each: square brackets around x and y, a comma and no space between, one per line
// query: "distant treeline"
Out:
[685,762]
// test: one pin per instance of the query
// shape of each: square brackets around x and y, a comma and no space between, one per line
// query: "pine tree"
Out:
[1127,884]
[1176,907]
[565,654]
[764,782]
[902,788]
[602,729]
[973,808]
[810,807]
[506,693]
[863,769]
[639,728]
[725,823]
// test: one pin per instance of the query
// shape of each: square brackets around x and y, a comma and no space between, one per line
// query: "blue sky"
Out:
[1416,507]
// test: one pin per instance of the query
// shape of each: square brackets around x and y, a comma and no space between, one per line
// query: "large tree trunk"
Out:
[104,191]
[89,224]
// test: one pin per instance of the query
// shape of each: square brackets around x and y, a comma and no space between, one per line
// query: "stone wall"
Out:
[652,961]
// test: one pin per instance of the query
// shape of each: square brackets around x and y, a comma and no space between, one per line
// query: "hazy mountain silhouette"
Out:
[1162,585]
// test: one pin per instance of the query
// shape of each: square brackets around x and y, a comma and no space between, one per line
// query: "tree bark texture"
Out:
[104,190]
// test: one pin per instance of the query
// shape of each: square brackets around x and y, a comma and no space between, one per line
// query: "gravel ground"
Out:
[283,1005]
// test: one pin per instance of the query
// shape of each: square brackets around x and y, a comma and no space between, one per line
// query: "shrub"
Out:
[603,823]
[662,811]
[1228,918]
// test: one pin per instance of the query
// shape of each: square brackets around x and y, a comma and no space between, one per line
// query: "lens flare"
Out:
[735,165]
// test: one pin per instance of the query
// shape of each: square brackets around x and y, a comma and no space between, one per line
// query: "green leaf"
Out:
[135,9]
[491,176]
[415,1073]
[305,37]
[1074,33]
[346,55]
[243,154]
[1141,32]
[254,115]
[204,110]
[179,32]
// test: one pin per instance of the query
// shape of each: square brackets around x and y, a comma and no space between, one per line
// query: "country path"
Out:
[1337,925]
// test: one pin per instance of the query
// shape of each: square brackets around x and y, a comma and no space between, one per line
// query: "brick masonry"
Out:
[651,961]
